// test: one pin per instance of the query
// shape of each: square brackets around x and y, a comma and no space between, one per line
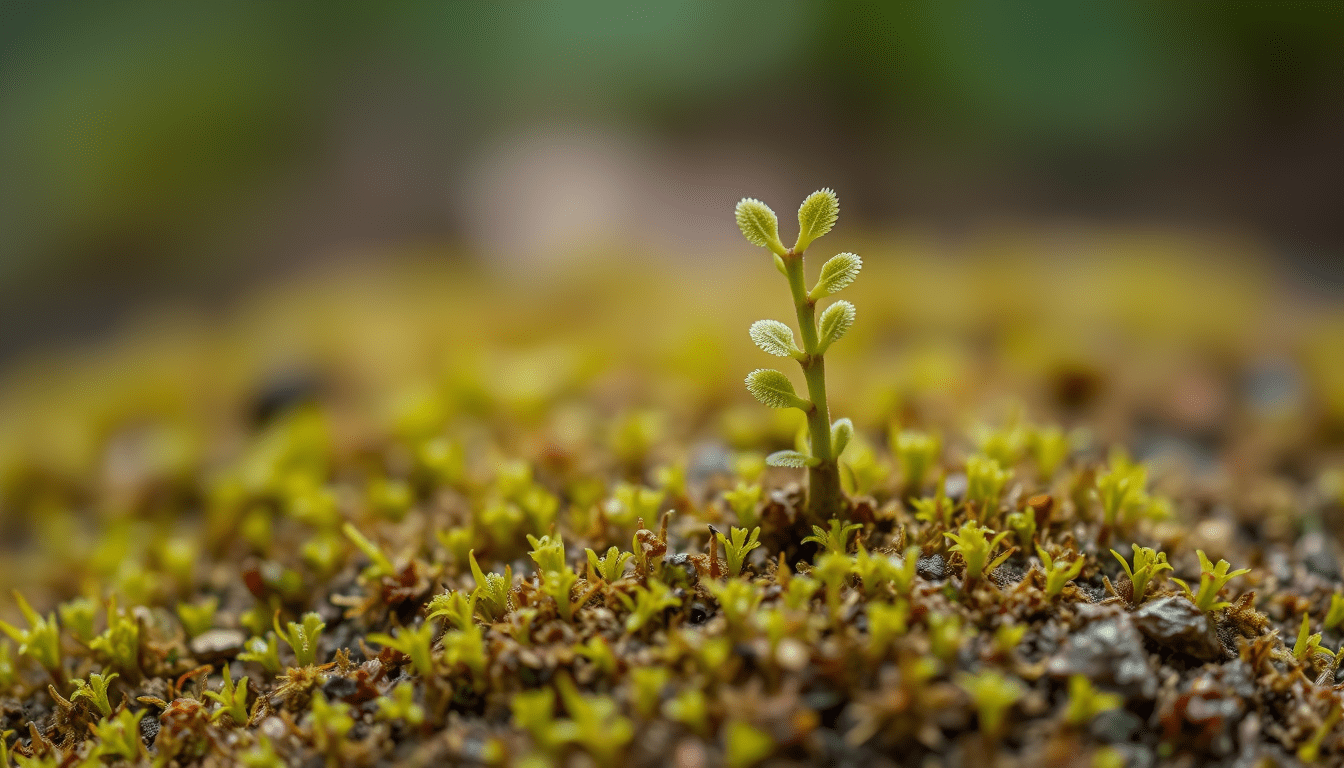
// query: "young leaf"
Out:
[841,431]
[836,274]
[794,459]
[774,389]
[834,322]
[775,338]
[816,216]
[759,225]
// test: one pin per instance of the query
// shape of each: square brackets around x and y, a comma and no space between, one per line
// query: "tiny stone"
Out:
[217,645]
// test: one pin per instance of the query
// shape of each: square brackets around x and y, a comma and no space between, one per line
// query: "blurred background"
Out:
[181,156]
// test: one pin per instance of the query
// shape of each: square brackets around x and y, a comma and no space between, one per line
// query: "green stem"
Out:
[823,480]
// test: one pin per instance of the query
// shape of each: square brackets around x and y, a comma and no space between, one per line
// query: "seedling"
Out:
[647,684]
[598,651]
[738,600]
[77,617]
[1147,564]
[414,642]
[834,540]
[465,647]
[491,595]
[985,480]
[886,622]
[691,709]
[198,618]
[916,453]
[1121,490]
[743,500]
[595,723]
[400,706]
[745,745]
[1007,637]
[736,547]
[1086,702]
[1023,525]
[95,690]
[264,651]
[302,638]
[1211,581]
[548,553]
[1058,573]
[1049,447]
[119,644]
[1308,646]
[329,723]
[993,695]
[379,564]
[232,698]
[944,636]
[1335,614]
[648,603]
[120,736]
[976,546]
[559,585]
[458,607]
[760,226]
[611,566]
[41,641]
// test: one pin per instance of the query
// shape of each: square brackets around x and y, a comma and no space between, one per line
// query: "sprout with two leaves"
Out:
[827,441]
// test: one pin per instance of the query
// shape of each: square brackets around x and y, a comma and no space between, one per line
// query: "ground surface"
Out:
[179,500]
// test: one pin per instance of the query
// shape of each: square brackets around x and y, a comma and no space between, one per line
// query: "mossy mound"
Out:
[374,498]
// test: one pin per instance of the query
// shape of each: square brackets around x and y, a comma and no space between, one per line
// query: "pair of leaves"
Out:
[816,216]
[841,433]
[776,338]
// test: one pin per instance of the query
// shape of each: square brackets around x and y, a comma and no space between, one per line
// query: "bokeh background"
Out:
[179,156]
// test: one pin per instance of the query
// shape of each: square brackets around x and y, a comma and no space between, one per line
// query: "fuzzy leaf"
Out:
[775,338]
[774,389]
[836,274]
[794,459]
[841,431]
[816,216]
[759,224]
[835,321]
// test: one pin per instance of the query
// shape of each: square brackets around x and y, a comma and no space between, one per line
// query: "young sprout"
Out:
[465,647]
[1308,646]
[1049,447]
[629,503]
[690,709]
[1147,564]
[77,617]
[232,698]
[1086,702]
[993,695]
[1211,581]
[646,688]
[491,595]
[95,690]
[985,480]
[743,500]
[760,226]
[559,585]
[119,644]
[916,453]
[798,595]
[548,553]
[379,564]
[738,600]
[1058,573]
[834,540]
[745,745]
[937,510]
[329,723]
[736,546]
[1007,637]
[598,651]
[41,641]
[1121,490]
[400,706]
[302,638]
[610,567]
[120,736]
[944,636]
[263,651]
[458,607]
[1023,525]
[198,618]
[975,546]
[903,575]
[886,622]
[413,642]
[648,603]
[596,724]
[833,568]
[1335,614]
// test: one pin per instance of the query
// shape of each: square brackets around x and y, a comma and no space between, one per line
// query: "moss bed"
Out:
[342,495]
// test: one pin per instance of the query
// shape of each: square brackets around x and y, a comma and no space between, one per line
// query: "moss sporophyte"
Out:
[826,441]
